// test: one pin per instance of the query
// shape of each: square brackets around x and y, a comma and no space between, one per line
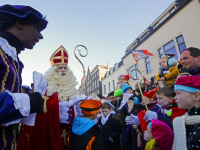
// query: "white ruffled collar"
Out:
[9,50]
[104,119]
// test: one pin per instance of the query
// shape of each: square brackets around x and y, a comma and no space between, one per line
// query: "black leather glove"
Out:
[36,102]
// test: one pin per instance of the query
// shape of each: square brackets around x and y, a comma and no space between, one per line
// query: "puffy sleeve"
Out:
[173,73]
[13,107]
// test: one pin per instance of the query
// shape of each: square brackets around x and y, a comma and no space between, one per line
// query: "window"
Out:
[104,89]
[133,72]
[160,51]
[97,73]
[137,72]
[148,66]
[111,70]
[155,25]
[134,44]
[116,66]
[107,73]
[97,82]
[113,85]
[181,43]
[170,48]
[164,17]
[172,10]
[143,36]
[109,87]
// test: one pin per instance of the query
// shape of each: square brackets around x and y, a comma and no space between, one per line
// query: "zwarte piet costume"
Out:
[14,106]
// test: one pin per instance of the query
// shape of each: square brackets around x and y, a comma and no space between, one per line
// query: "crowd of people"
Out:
[162,113]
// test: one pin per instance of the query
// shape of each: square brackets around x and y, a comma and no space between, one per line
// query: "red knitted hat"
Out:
[163,134]
[188,83]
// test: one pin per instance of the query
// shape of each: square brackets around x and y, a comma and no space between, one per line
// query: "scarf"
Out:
[104,119]
[194,71]
[179,123]
[164,69]
[150,144]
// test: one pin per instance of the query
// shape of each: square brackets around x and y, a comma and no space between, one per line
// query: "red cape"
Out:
[46,134]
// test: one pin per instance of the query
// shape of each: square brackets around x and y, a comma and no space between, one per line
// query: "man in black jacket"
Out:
[190,59]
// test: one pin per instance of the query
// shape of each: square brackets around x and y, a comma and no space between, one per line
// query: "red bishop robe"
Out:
[48,133]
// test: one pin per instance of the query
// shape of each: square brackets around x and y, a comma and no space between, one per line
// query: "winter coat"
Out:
[111,129]
[170,77]
[85,135]
[193,131]
[173,110]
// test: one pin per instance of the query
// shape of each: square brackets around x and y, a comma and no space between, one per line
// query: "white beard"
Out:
[64,85]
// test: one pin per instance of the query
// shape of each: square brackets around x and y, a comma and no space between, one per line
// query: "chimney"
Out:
[108,66]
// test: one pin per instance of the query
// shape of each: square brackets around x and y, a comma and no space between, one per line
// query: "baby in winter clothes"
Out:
[168,71]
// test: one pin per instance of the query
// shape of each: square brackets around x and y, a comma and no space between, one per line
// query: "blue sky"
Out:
[105,27]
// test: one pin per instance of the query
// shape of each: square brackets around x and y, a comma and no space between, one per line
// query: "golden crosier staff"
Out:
[82,64]
[139,83]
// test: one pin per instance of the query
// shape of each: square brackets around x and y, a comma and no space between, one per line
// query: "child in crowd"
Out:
[112,99]
[84,133]
[168,70]
[166,109]
[118,96]
[159,136]
[99,114]
[122,80]
[127,130]
[138,90]
[187,127]
[147,85]
[150,96]
[111,128]
[128,89]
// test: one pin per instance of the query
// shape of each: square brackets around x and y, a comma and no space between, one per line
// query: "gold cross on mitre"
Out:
[45,103]
[64,135]
[59,57]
